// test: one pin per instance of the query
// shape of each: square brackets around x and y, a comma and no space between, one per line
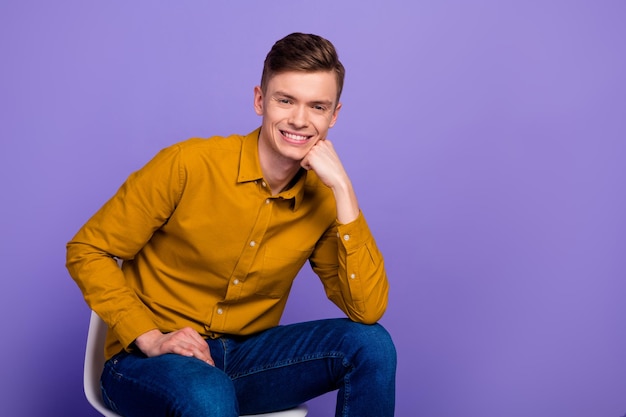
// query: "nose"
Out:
[298,117]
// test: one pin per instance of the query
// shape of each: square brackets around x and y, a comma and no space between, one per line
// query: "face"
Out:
[298,108]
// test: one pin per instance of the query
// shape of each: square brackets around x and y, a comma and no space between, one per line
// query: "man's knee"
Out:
[374,345]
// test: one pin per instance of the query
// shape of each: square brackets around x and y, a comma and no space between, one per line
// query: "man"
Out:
[211,234]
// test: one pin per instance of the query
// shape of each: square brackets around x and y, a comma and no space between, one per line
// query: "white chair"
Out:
[94,363]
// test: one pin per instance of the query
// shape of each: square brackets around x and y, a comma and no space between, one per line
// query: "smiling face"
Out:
[297,108]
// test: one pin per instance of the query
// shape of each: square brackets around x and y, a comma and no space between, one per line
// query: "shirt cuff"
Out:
[355,234]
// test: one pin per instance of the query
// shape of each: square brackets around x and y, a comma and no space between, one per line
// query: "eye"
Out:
[283,100]
[319,107]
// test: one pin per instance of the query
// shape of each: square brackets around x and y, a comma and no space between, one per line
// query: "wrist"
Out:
[147,339]
[347,204]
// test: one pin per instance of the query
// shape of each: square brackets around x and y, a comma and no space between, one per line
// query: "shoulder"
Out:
[197,150]
[214,143]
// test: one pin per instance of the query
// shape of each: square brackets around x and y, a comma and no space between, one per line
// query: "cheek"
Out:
[323,123]
[276,114]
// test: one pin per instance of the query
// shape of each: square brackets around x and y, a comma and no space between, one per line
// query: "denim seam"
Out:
[346,392]
[225,351]
[107,400]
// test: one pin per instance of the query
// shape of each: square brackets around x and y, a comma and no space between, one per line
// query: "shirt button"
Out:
[220,311]
[346,237]
[267,201]
[252,243]
[236,281]
[352,276]
[264,184]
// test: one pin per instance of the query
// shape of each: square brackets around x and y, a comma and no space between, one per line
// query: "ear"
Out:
[333,118]
[258,100]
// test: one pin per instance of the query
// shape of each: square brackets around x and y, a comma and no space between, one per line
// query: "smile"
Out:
[294,136]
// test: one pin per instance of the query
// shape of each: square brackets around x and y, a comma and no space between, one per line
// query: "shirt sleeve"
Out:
[352,270]
[118,231]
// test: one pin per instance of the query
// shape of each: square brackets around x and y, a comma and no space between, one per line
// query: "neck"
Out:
[278,172]
[279,180]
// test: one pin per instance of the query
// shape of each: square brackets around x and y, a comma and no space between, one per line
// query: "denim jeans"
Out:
[273,370]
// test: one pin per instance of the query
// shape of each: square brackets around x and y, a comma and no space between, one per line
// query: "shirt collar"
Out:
[250,169]
[249,165]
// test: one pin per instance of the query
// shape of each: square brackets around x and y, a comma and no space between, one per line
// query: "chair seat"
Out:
[94,363]
[299,411]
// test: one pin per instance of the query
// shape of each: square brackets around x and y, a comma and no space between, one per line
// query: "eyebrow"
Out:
[289,96]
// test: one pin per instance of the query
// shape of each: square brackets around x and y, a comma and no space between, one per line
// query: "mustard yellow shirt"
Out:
[205,244]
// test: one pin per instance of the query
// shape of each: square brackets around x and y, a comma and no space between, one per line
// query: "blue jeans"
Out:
[273,370]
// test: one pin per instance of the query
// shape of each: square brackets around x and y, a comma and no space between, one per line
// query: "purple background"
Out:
[486,141]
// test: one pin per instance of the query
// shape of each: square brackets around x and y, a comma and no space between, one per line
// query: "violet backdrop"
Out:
[486,140]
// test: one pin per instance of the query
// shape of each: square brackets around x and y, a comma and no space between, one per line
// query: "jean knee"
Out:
[375,345]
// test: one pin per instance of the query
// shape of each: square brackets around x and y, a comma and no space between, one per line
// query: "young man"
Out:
[211,234]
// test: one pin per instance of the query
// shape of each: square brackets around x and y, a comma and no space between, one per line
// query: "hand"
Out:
[323,159]
[185,342]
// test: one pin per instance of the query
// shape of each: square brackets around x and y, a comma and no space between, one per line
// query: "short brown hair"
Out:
[305,53]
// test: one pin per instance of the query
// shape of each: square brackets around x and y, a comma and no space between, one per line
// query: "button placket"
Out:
[236,288]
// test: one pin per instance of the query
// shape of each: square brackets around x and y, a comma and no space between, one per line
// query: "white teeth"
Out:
[294,136]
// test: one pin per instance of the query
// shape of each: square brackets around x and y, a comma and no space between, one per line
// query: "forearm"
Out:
[104,288]
[352,269]
[346,201]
